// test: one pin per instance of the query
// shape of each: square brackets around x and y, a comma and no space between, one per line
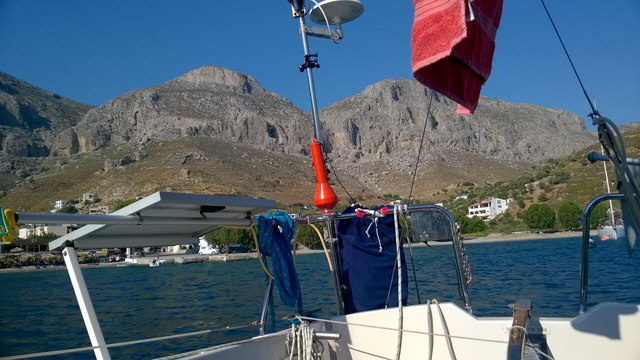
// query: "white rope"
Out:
[293,341]
[397,209]
[445,327]
[430,328]
[303,341]
[526,336]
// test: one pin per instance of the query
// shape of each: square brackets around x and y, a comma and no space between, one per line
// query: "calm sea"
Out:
[39,311]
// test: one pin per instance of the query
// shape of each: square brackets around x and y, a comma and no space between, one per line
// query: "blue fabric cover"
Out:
[366,271]
[275,231]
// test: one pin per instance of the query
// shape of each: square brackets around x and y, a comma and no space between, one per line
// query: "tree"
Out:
[543,197]
[598,215]
[227,236]
[68,209]
[308,237]
[472,225]
[569,214]
[539,217]
[521,203]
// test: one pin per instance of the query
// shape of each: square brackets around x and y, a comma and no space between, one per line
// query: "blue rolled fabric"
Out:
[276,230]
[368,260]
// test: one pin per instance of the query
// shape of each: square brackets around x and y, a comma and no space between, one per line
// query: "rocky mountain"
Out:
[30,120]
[381,127]
[630,126]
[387,118]
[209,101]
[212,118]
[31,117]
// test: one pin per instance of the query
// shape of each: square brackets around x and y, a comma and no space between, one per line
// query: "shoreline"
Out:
[493,238]
[179,259]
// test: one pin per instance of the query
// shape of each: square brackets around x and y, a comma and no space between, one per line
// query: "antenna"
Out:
[328,13]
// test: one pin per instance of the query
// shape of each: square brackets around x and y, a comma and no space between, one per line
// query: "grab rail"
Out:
[584,264]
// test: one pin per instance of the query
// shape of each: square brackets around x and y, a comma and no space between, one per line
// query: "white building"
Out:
[90,198]
[99,210]
[489,208]
[41,230]
[60,204]
[463,197]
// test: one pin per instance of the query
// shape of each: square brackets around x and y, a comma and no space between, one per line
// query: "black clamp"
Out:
[310,62]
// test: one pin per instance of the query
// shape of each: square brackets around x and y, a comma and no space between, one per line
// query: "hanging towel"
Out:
[453,44]
[368,262]
[276,230]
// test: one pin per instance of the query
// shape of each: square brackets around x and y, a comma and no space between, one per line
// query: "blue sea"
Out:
[39,311]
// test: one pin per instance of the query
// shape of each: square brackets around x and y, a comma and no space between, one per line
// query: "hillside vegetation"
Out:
[554,183]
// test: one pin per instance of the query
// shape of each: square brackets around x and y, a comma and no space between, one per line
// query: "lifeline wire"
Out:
[594,111]
[125,343]
[424,129]
[326,156]
[414,332]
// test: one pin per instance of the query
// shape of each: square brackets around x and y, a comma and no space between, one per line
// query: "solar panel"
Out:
[215,211]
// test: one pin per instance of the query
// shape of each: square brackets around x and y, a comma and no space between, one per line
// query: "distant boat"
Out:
[609,232]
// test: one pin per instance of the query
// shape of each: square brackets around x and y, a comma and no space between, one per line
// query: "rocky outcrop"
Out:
[31,117]
[385,121]
[209,101]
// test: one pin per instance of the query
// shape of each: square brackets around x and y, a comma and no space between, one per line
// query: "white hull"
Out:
[607,331]
[609,232]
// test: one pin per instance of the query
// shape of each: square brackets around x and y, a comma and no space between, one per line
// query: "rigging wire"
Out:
[326,156]
[126,343]
[424,130]
[594,111]
[413,264]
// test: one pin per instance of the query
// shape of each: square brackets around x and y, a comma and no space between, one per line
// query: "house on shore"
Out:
[489,208]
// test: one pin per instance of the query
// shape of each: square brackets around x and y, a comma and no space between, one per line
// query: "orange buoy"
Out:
[325,198]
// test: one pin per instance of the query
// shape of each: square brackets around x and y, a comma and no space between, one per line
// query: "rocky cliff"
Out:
[385,122]
[210,101]
[31,117]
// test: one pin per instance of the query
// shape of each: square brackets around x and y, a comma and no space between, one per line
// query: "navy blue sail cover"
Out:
[368,260]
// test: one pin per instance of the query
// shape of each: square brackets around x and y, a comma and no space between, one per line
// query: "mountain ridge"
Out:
[373,136]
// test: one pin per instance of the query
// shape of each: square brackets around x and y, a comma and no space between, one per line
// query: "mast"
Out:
[606,177]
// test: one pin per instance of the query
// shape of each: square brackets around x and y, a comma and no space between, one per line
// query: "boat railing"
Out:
[630,222]
[462,267]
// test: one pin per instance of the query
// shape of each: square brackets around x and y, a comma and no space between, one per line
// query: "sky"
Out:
[93,51]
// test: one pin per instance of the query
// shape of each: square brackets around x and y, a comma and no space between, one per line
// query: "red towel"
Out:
[453,44]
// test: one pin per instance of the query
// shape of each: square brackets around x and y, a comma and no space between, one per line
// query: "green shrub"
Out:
[521,203]
[598,215]
[543,197]
[560,178]
[308,237]
[569,214]
[539,217]
[68,209]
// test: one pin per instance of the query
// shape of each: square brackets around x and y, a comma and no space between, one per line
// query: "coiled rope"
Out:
[303,343]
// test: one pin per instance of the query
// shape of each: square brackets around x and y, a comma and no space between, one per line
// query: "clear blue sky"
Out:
[94,50]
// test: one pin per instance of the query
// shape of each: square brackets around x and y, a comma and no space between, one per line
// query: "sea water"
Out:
[39,311]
